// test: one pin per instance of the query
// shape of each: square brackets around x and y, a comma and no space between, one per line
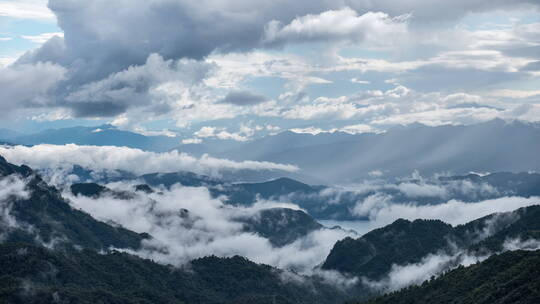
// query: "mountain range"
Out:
[486,147]
[51,252]
[405,242]
[44,217]
[105,135]
[281,226]
[338,157]
[314,198]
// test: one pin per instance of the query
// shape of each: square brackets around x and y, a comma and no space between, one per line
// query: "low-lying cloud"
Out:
[401,276]
[453,212]
[432,265]
[519,244]
[11,188]
[128,159]
[187,223]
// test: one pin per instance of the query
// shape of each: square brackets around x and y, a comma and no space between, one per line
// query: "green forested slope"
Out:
[512,277]
[32,274]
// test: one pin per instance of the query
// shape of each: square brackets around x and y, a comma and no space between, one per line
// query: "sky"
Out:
[239,69]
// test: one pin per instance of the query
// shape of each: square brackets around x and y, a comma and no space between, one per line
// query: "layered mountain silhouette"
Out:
[492,146]
[314,198]
[105,135]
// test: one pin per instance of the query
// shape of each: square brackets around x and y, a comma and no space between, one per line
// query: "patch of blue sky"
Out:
[231,123]
[270,87]
[531,84]
[358,52]
[18,26]
[499,19]
[300,49]
[161,124]
[15,28]
[345,83]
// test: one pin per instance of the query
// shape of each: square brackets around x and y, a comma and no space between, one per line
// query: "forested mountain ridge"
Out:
[43,216]
[507,278]
[32,274]
[401,242]
[405,242]
[57,253]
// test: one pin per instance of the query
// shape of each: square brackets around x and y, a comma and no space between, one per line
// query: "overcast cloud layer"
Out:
[175,64]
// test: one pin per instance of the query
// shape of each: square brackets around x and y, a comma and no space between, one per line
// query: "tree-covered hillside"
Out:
[402,242]
[44,216]
[509,278]
[52,253]
[405,242]
[33,274]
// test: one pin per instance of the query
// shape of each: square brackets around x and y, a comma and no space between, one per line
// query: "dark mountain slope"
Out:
[88,189]
[526,227]
[405,242]
[247,193]
[45,217]
[281,226]
[94,190]
[402,242]
[33,274]
[185,178]
[522,184]
[508,278]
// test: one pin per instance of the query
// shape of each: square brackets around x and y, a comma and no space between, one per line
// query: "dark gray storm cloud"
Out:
[115,52]
[28,85]
[123,33]
[103,37]
[243,98]
[114,94]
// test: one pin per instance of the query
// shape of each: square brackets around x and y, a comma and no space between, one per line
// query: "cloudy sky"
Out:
[238,69]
